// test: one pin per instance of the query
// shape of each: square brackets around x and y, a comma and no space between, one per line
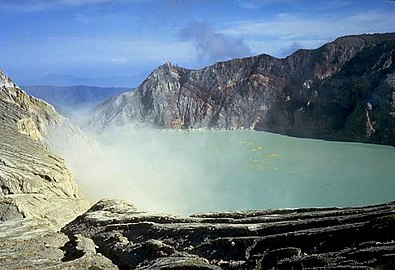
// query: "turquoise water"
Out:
[186,172]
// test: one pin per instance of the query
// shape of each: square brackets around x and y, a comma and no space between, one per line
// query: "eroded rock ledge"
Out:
[34,182]
[315,238]
[38,194]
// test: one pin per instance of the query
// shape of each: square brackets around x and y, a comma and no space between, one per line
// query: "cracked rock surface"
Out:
[32,243]
[315,238]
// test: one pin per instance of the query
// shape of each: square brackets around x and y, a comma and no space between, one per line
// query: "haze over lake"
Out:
[186,172]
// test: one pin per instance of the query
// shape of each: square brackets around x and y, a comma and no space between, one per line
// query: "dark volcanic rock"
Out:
[342,90]
[327,238]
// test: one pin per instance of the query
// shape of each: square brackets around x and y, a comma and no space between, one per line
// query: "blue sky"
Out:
[105,39]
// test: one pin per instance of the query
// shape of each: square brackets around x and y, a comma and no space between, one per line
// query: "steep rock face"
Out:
[37,191]
[323,238]
[313,93]
[34,182]
[40,121]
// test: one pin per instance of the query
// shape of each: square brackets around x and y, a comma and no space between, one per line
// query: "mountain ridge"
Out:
[288,95]
[64,80]
[76,95]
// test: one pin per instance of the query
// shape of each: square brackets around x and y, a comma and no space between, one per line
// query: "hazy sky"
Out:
[110,38]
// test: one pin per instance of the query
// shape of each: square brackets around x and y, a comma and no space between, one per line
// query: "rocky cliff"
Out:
[38,194]
[343,90]
[31,175]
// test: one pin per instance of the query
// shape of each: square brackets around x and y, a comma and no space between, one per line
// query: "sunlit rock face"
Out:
[34,182]
[320,93]
[38,194]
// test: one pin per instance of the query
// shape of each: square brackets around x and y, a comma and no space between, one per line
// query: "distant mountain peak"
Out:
[60,80]
[6,81]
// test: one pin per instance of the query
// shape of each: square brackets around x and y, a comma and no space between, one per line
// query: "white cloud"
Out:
[273,35]
[285,51]
[211,45]
[43,5]
[253,4]
[111,54]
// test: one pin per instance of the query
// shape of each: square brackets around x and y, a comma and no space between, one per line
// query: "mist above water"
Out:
[186,172]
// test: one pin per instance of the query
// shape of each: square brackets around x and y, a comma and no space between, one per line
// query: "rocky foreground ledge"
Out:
[113,234]
[313,238]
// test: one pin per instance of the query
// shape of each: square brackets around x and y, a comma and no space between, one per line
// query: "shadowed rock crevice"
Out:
[77,247]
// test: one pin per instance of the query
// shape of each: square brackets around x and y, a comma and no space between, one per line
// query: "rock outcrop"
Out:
[38,194]
[32,243]
[342,91]
[34,182]
[326,238]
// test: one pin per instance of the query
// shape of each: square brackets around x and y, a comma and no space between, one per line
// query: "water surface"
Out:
[186,172]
